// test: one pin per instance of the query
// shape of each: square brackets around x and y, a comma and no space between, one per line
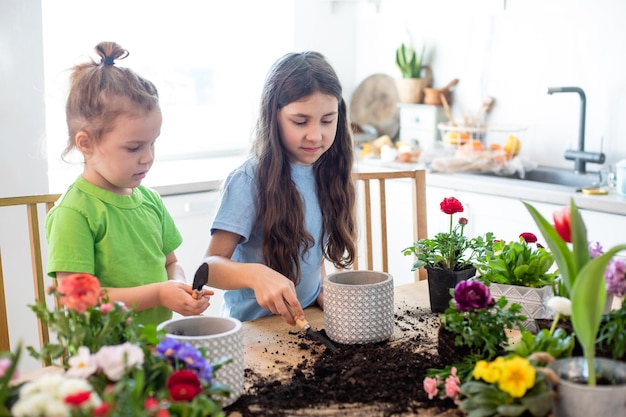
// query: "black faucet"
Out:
[580,156]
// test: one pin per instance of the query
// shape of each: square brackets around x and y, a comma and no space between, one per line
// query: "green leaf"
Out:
[558,247]
[580,244]
[588,300]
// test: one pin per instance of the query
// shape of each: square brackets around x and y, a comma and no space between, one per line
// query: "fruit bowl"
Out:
[493,138]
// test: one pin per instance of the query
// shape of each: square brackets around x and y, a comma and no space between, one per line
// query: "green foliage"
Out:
[483,330]
[452,251]
[583,277]
[516,263]
[409,61]
[93,329]
[486,400]
[8,390]
[560,344]
[611,336]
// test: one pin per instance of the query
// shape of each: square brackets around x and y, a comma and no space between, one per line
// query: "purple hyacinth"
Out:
[472,294]
[615,275]
[595,249]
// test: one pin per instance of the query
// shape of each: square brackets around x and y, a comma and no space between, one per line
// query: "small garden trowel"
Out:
[200,280]
[312,334]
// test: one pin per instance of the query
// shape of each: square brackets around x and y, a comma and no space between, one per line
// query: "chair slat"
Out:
[31,204]
[418,216]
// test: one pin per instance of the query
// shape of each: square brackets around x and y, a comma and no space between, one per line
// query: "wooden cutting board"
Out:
[375,103]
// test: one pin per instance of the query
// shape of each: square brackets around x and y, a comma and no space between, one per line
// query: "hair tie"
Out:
[109,60]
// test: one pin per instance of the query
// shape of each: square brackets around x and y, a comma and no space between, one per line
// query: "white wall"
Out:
[23,166]
[513,55]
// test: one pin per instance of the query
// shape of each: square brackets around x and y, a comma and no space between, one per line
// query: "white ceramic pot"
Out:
[221,338]
[577,399]
[358,306]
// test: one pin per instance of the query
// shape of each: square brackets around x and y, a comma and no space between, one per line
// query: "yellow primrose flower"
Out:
[488,371]
[518,375]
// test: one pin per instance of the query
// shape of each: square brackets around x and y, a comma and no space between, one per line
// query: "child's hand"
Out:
[274,291]
[177,296]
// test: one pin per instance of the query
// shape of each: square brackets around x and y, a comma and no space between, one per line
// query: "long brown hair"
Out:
[280,208]
[100,92]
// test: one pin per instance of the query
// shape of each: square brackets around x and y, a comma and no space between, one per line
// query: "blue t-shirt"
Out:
[237,214]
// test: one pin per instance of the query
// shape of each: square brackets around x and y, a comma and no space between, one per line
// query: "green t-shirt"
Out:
[122,240]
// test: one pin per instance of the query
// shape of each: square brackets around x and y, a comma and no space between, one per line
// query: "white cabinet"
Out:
[507,217]
[193,214]
[418,124]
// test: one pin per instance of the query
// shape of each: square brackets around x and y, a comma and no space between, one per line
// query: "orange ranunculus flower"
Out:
[562,223]
[451,205]
[184,385]
[79,292]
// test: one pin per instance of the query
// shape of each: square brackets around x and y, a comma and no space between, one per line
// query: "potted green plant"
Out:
[583,278]
[410,62]
[522,271]
[448,257]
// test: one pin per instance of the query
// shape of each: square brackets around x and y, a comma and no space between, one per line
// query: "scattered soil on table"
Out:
[379,379]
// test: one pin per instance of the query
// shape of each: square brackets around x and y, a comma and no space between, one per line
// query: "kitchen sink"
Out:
[557,176]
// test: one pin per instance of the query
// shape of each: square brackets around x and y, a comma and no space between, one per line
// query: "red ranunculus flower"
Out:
[101,411]
[463,220]
[562,224]
[471,294]
[451,205]
[79,292]
[77,398]
[184,385]
[528,237]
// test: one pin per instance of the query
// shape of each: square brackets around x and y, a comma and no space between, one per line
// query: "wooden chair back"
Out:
[365,186]
[31,205]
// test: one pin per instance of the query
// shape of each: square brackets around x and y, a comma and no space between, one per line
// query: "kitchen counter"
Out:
[613,202]
[198,175]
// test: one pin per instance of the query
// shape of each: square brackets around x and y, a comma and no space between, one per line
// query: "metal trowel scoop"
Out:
[312,334]
[200,280]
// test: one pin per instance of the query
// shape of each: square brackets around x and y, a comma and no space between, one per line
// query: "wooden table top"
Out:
[259,336]
[273,350]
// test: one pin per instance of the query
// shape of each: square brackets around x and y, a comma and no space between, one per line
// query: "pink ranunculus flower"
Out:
[431,387]
[106,308]
[452,386]
[115,360]
[79,292]
[5,364]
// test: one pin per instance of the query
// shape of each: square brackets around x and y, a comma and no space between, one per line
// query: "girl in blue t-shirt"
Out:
[107,224]
[291,205]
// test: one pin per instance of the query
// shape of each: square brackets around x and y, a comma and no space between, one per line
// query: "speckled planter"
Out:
[358,306]
[532,300]
[222,338]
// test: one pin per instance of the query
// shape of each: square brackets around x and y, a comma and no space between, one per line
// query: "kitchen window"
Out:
[207,58]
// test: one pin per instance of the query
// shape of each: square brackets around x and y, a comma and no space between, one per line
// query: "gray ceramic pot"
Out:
[358,306]
[577,399]
[221,337]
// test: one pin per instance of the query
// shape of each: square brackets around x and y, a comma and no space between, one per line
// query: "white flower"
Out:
[83,364]
[115,360]
[560,305]
[46,396]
